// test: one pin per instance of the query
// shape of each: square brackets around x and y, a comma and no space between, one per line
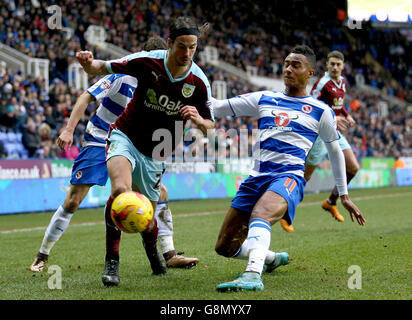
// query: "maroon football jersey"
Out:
[330,92]
[157,99]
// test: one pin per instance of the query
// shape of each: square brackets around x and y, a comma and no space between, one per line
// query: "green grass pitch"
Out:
[322,251]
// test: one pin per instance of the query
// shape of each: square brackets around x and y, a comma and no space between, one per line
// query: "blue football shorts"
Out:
[147,172]
[288,186]
[319,153]
[89,167]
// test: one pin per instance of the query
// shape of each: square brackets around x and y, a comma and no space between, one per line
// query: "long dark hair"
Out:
[184,26]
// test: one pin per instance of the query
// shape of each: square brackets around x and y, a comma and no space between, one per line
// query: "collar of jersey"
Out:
[170,75]
[295,97]
[340,80]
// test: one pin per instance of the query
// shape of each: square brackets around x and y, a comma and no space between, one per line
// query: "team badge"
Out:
[306,108]
[188,90]
[78,174]
[105,85]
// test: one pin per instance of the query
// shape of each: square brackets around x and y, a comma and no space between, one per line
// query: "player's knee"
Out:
[224,250]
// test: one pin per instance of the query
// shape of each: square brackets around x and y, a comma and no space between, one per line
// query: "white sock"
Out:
[165,225]
[243,253]
[166,243]
[258,244]
[58,224]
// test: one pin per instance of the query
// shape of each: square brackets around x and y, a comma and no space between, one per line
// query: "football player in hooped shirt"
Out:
[331,89]
[172,88]
[289,122]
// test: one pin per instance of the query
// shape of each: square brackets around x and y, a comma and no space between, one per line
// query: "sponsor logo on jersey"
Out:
[163,103]
[282,120]
[78,174]
[307,108]
[188,90]
[337,103]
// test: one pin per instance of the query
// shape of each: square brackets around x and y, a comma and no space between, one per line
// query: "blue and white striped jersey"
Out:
[288,127]
[116,91]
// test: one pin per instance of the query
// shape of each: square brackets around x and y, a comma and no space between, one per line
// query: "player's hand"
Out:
[191,113]
[85,58]
[353,210]
[342,123]
[65,140]
[350,120]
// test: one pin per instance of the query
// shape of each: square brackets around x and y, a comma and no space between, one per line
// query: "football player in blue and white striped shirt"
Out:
[289,123]
[89,168]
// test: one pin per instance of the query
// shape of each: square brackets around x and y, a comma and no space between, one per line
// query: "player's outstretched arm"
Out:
[337,161]
[65,139]
[91,65]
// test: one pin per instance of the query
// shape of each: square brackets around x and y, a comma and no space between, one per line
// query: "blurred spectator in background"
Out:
[31,139]
[399,163]
[3,152]
[47,148]
[9,119]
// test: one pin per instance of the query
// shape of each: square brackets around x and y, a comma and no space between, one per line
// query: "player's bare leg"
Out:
[165,223]
[150,239]
[352,167]
[233,232]
[120,172]
[59,223]
[270,208]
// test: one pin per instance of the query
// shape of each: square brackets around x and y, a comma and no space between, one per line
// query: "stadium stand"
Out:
[255,45]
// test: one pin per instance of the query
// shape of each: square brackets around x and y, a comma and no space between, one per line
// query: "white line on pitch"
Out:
[205,213]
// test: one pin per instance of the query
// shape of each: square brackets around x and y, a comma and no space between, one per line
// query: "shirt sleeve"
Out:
[327,126]
[244,105]
[127,65]
[106,86]
[337,162]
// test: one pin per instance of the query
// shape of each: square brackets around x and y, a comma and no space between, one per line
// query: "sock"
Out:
[151,236]
[258,244]
[242,253]
[113,234]
[164,219]
[167,246]
[334,195]
[58,224]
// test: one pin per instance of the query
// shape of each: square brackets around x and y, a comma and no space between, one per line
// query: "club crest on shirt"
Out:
[105,85]
[306,108]
[188,90]
[78,174]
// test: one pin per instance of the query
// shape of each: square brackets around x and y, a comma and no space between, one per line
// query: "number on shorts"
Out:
[159,179]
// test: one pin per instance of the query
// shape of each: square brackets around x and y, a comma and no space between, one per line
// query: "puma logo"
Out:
[156,75]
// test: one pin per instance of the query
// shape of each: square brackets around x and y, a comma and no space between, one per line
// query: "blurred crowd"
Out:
[257,34]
